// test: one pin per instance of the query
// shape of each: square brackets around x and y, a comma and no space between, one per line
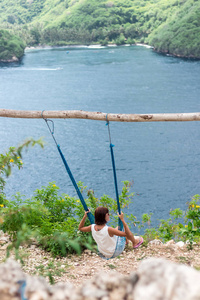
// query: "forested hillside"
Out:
[180,35]
[171,26]
[11,47]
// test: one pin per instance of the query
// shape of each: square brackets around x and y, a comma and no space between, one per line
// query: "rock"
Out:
[32,247]
[1,233]
[3,238]
[170,243]
[155,242]
[62,291]
[15,59]
[180,244]
[155,279]
[161,279]
[88,252]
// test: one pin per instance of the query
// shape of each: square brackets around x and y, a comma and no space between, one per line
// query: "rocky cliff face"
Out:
[12,59]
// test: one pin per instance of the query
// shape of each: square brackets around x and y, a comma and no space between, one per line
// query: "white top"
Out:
[106,244]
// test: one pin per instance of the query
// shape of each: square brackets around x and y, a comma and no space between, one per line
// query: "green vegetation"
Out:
[182,225]
[11,46]
[53,268]
[52,219]
[171,26]
[13,158]
[181,34]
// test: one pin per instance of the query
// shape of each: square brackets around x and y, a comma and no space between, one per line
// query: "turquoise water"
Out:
[162,159]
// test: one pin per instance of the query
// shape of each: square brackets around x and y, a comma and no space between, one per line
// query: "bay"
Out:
[161,158]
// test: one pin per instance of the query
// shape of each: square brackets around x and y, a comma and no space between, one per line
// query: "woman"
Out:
[106,237]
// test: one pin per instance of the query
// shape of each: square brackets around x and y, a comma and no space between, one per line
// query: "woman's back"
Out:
[106,244]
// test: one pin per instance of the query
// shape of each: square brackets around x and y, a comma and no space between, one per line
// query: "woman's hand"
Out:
[81,225]
[121,216]
[86,212]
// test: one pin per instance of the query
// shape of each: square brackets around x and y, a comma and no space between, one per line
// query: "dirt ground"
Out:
[77,269]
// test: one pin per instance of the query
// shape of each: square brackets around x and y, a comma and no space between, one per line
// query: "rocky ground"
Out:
[77,269]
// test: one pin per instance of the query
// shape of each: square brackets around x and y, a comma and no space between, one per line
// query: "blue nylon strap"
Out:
[120,225]
[90,216]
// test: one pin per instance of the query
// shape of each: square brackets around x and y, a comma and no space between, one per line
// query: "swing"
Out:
[121,241]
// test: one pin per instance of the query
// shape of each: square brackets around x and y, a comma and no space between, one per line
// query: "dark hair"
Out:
[100,215]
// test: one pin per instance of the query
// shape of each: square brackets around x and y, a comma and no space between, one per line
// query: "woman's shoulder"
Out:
[110,228]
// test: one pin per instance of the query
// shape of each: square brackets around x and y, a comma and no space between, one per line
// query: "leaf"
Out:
[189,226]
[75,245]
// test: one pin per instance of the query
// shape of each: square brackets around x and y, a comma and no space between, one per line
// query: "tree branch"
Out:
[100,116]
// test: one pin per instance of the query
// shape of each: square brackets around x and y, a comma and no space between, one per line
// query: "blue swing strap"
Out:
[90,216]
[121,241]
[114,174]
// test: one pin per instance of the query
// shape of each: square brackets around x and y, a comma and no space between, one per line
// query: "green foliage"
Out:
[150,233]
[170,26]
[180,35]
[54,218]
[173,227]
[169,229]
[191,231]
[13,158]
[23,236]
[53,268]
[10,46]
[20,11]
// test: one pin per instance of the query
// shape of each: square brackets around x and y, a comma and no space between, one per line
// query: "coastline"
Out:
[99,46]
[82,46]
[10,60]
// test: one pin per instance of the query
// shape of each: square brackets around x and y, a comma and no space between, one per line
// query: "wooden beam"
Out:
[100,116]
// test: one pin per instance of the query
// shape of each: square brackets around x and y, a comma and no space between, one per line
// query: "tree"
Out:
[13,157]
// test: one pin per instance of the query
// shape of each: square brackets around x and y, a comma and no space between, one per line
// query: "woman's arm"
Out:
[113,231]
[126,228]
[81,225]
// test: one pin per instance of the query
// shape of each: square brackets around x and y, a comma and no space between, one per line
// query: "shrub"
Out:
[56,217]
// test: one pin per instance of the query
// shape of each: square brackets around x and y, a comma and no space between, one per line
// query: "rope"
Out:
[114,174]
[90,216]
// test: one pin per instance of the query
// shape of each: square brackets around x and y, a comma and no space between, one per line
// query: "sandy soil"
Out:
[77,269]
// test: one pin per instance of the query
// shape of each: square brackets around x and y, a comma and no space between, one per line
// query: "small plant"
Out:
[169,229]
[191,230]
[111,266]
[13,157]
[24,236]
[150,233]
[182,259]
[50,270]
